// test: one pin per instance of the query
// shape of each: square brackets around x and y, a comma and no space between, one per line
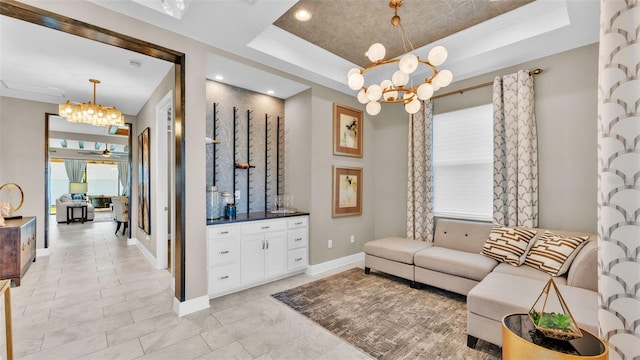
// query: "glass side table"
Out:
[520,340]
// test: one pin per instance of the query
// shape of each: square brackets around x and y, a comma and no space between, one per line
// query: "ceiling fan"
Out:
[106,152]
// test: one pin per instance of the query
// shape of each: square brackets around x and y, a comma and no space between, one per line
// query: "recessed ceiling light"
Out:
[270,92]
[219,77]
[302,15]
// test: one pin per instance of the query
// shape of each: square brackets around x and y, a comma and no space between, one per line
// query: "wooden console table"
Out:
[17,248]
[521,341]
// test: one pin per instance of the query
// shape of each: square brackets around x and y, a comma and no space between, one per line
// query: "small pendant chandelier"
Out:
[396,89]
[91,113]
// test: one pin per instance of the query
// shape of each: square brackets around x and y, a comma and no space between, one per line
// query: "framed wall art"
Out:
[347,191]
[144,181]
[347,131]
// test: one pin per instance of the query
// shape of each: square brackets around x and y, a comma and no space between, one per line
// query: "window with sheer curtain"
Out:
[463,163]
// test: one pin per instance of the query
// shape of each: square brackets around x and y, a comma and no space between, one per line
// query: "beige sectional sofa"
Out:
[453,262]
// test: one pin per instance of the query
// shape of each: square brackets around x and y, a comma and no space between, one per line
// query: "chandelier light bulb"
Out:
[374,92]
[353,71]
[356,80]
[408,63]
[425,91]
[443,78]
[438,55]
[362,97]
[376,52]
[399,78]
[412,106]
[373,108]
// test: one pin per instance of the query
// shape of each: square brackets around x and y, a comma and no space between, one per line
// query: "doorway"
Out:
[65,24]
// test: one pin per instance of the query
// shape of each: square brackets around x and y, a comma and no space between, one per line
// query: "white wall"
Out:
[22,154]
[147,118]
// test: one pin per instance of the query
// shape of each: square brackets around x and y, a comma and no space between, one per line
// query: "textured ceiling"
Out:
[347,28]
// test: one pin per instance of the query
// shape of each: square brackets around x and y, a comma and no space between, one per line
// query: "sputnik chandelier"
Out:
[396,90]
[91,113]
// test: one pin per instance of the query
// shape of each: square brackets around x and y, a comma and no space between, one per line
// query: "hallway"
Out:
[97,298]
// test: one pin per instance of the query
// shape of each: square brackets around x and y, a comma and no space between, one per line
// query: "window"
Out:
[463,163]
[102,179]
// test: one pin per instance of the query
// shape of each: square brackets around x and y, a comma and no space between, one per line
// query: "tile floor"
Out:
[97,298]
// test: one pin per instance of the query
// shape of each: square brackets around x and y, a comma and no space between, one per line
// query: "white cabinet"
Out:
[223,258]
[245,254]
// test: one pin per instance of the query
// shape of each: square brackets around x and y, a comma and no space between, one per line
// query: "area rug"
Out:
[381,315]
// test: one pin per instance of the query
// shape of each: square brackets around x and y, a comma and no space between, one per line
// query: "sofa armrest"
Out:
[583,272]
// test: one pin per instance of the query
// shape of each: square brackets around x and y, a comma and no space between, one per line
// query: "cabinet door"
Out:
[252,254]
[276,254]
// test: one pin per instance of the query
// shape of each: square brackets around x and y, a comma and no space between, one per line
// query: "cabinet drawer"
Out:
[298,222]
[297,259]
[257,227]
[224,277]
[223,252]
[297,238]
[221,232]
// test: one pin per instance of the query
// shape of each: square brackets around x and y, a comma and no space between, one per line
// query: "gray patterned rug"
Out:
[381,315]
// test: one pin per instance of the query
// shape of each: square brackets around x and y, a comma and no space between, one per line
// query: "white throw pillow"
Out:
[554,253]
[508,244]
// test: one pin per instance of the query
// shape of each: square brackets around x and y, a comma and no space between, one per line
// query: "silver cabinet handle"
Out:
[298,259]
[298,239]
[224,252]
[224,232]
[297,223]
[265,227]
[267,244]
[225,277]
[262,244]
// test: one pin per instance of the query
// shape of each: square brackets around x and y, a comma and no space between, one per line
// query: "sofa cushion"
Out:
[461,235]
[395,248]
[500,294]
[528,272]
[508,245]
[584,269]
[459,263]
[554,253]
[65,198]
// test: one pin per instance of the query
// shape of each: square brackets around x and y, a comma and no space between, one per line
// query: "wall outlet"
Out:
[352,239]
[330,244]
[237,194]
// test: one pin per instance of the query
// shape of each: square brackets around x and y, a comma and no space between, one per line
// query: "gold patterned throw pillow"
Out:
[508,245]
[553,253]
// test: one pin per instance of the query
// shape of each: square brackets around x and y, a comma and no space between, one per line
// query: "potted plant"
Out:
[551,316]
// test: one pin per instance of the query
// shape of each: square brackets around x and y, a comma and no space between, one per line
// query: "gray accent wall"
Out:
[566,114]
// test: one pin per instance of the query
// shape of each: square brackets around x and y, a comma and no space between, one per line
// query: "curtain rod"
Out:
[534,72]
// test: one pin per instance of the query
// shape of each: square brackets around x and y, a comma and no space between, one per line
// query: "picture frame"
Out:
[144,181]
[347,191]
[348,129]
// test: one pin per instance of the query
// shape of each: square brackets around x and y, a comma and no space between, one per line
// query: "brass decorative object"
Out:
[11,199]
[551,316]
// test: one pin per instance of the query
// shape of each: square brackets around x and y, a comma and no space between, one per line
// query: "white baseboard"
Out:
[44,252]
[190,306]
[147,254]
[334,264]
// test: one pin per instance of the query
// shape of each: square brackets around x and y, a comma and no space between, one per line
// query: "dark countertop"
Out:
[255,216]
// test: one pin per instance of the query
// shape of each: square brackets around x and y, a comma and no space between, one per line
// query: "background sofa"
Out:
[453,262]
[61,209]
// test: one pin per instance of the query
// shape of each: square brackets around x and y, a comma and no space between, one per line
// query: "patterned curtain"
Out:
[75,169]
[420,187]
[123,176]
[618,172]
[515,151]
